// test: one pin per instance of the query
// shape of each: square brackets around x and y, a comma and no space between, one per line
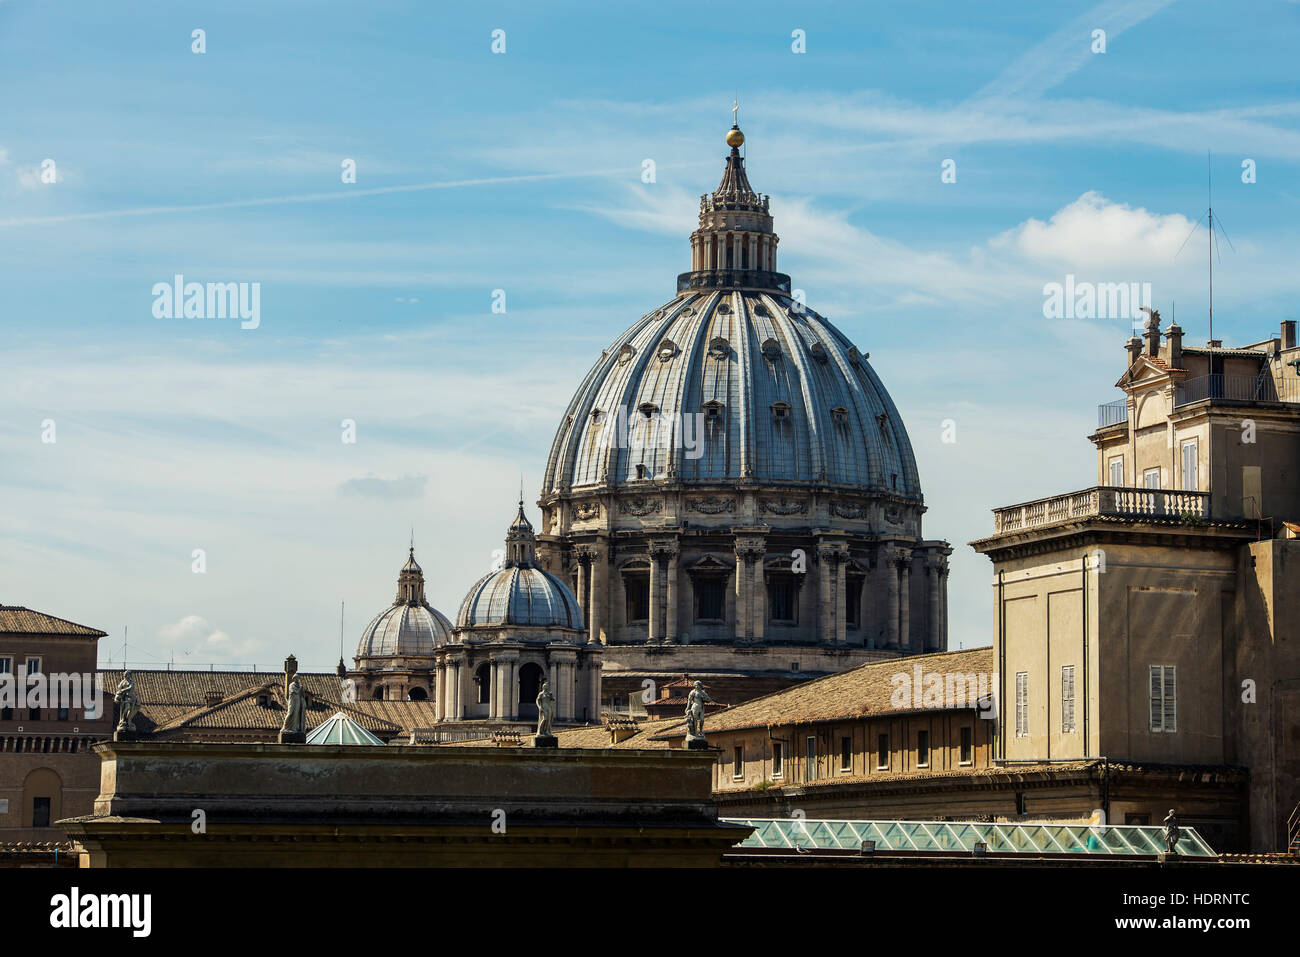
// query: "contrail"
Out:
[1055,58]
[308,197]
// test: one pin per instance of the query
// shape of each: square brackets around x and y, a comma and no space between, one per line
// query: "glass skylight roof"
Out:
[340,729]
[962,836]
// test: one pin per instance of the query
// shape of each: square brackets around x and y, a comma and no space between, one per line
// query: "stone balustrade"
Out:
[1136,503]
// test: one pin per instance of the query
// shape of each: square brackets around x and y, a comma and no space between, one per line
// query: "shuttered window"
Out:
[1067,699]
[1022,704]
[1117,472]
[1189,465]
[1164,698]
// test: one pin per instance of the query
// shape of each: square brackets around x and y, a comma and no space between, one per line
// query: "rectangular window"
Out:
[1067,699]
[882,751]
[810,766]
[853,601]
[1117,472]
[967,745]
[738,761]
[33,714]
[638,597]
[1189,465]
[1151,478]
[1164,698]
[1022,704]
[923,749]
[711,600]
[6,666]
[6,714]
[846,753]
[780,601]
[778,759]
[63,714]
[40,812]
[33,666]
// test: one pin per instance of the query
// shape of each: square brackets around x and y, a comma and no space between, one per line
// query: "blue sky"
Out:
[521,172]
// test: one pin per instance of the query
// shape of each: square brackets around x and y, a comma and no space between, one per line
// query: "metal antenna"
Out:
[1213,250]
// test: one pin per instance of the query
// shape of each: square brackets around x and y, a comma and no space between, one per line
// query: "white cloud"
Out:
[194,631]
[1093,232]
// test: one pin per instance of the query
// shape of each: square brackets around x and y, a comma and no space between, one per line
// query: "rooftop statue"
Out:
[1172,833]
[128,703]
[295,712]
[545,710]
[695,702]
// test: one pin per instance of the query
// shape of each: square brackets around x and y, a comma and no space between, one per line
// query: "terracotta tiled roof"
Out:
[865,690]
[17,620]
[598,736]
[246,711]
[407,715]
[178,701]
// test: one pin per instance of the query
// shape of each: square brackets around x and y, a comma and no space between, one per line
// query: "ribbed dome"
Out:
[410,626]
[520,596]
[405,630]
[521,592]
[784,396]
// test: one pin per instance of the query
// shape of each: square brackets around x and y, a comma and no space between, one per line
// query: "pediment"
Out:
[1142,372]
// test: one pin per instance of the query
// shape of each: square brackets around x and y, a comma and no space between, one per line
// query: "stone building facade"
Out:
[731,490]
[1148,619]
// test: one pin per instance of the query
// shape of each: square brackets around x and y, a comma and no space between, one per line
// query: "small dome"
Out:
[410,626]
[521,592]
[520,596]
[404,630]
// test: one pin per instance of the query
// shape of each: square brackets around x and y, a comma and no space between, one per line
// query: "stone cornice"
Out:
[1097,530]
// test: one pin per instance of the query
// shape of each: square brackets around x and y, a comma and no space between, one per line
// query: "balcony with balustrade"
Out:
[1151,504]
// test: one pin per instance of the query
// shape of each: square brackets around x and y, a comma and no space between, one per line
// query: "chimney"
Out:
[1134,349]
[1174,339]
[1288,334]
[290,669]
[213,697]
[1152,335]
